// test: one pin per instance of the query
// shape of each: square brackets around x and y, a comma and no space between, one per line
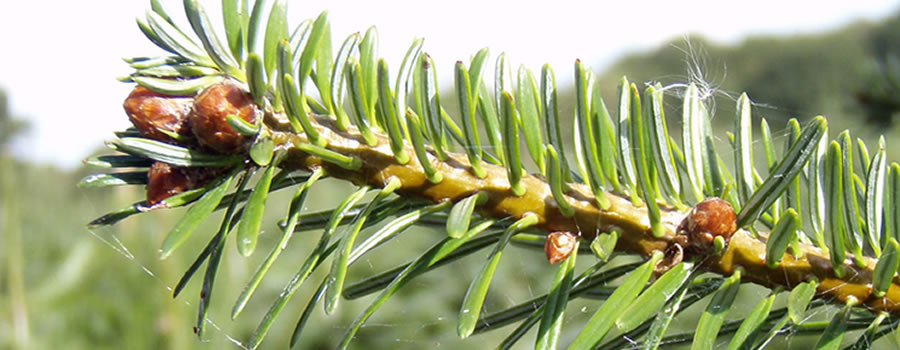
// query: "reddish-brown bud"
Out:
[164,181]
[208,117]
[709,219]
[558,246]
[152,113]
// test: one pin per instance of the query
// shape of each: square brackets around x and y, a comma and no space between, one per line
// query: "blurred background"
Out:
[64,286]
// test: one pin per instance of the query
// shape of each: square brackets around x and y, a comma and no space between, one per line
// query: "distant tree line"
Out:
[852,71]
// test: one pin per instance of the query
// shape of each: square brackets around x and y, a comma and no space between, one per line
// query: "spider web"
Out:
[394,326]
[111,240]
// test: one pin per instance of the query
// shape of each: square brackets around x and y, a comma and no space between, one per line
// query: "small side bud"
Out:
[707,220]
[558,246]
[156,116]
[209,117]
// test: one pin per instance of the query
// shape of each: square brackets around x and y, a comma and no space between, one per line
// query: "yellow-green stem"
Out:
[743,250]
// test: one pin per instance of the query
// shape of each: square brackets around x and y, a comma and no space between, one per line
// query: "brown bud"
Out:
[558,246]
[208,117]
[164,181]
[709,219]
[151,113]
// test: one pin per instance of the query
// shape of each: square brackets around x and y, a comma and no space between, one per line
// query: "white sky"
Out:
[59,60]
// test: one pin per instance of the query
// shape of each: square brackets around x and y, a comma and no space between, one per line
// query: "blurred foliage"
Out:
[786,76]
[880,94]
[9,126]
